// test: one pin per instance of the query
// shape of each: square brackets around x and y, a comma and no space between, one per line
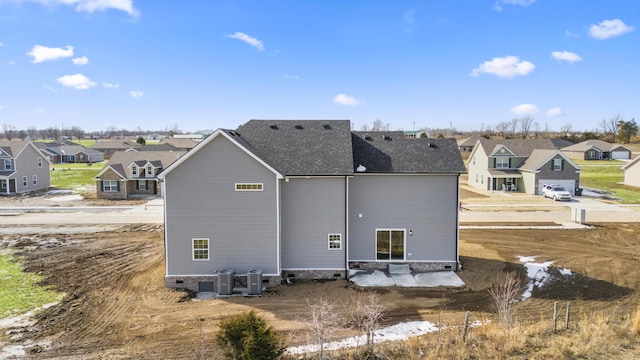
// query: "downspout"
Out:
[346,227]
[459,208]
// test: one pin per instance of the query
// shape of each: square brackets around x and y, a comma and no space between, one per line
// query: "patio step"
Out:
[395,269]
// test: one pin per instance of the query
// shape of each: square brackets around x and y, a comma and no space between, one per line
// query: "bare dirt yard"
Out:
[116,306]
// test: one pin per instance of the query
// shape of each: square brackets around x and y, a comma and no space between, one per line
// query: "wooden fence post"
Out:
[466,326]
[555,315]
[566,318]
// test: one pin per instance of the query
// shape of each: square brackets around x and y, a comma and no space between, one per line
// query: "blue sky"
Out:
[204,64]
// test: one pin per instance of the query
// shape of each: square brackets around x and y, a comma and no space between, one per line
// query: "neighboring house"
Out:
[109,147]
[523,165]
[597,150]
[466,145]
[194,136]
[632,172]
[130,174]
[156,147]
[72,154]
[560,143]
[309,199]
[181,144]
[155,137]
[23,168]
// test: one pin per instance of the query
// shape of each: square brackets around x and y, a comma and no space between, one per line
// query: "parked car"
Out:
[556,192]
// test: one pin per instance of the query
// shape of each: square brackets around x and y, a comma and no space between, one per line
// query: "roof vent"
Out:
[232,133]
[386,137]
[273,126]
[327,126]
[368,138]
[299,127]
[431,145]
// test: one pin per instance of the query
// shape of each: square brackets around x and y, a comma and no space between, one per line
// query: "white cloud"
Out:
[80,61]
[525,109]
[42,53]
[110,86]
[505,67]
[91,6]
[498,4]
[554,112]
[609,28]
[248,39]
[136,94]
[566,56]
[77,81]
[346,100]
[49,88]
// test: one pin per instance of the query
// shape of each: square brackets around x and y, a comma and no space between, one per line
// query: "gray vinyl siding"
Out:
[26,164]
[546,172]
[425,204]
[311,210]
[201,202]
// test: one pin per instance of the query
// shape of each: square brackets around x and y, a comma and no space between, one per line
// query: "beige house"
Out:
[597,150]
[632,172]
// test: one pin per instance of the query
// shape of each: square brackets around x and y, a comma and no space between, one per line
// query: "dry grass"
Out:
[591,335]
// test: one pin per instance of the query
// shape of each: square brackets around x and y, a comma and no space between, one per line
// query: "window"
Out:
[81,157]
[335,241]
[200,249]
[557,165]
[149,170]
[389,244]
[481,179]
[25,182]
[134,170]
[502,162]
[3,183]
[476,178]
[142,184]
[591,154]
[39,162]
[34,179]
[110,186]
[7,164]
[249,187]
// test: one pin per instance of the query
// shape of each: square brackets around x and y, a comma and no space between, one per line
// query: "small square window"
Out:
[335,241]
[35,179]
[200,249]
[39,162]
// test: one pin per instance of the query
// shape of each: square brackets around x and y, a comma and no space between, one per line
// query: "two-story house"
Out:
[523,165]
[309,199]
[130,174]
[23,168]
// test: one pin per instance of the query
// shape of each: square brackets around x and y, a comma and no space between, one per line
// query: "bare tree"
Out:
[365,313]
[525,124]
[22,134]
[504,294]
[378,125]
[512,127]
[610,127]
[76,132]
[32,132]
[503,129]
[566,129]
[323,320]
[9,131]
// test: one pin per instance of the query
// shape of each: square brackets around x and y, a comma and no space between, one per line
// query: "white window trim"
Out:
[134,170]
[34,179]
[25,181]
[339,242]
[39,161]
[3,183]
[193,249]
[502,163]
[144,187]
[7,164]
[559,168]
[111,187]
[149,170]
[239,186]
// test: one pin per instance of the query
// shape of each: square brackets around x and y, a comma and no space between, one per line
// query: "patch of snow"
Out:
[402,331]
[538,273]
[23,320]
[565,272]
[58,192]
[12,351]
[361,168]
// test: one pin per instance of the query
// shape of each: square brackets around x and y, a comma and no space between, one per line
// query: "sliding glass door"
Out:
[389,244]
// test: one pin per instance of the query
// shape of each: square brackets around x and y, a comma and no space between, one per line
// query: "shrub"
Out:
[248,337]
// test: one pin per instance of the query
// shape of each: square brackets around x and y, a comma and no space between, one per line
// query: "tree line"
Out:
[10,132]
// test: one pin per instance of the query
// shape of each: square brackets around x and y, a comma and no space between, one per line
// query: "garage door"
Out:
[619,154]
[570,185]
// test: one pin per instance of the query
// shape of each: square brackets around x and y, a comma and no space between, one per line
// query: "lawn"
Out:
[74,178]
[20,291]
[607,175]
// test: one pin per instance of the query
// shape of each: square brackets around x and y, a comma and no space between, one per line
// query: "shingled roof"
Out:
[391,152]
[519,147]
[300,147]
[586,145]
[122,159]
